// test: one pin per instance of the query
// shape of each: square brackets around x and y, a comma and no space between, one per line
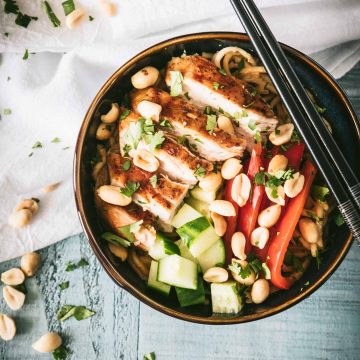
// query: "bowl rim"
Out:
[108,266]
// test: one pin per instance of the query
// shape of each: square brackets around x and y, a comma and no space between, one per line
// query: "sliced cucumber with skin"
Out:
[214,256]
[225,298]
[162,247]
[178,271]
[153,283]
[188,297]
[125,232]
[198,235]
[185,253]
[185,214]
[202,195]
[201,206]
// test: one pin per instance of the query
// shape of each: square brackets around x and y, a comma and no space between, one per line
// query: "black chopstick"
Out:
[341,192]
[313,116]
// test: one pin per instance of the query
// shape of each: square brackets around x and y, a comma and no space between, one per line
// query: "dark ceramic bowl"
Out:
[346,131]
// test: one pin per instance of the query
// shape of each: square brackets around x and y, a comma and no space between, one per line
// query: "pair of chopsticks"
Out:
[326,154]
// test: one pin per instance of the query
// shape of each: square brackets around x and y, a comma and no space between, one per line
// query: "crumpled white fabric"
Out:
[49,93]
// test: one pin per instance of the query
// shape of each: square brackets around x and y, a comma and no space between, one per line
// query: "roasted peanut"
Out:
[260,291]
[29,204]
[259,237]
[14,298]
[13,276]
[7,327]
[211,182]
[238,245]
[220,224]
[231,168]
[225,124]
[249,280]
[216,275]
[294,186]
[269,216]
[112,115]
[240,190]
[280,195]
[47,343]
[277,163]
[119,251]
[146,160]
[74,18]
[21,218]
[222,207]
[309,230]
[149,109]
[282,134]
[30,263]
[103,132]
[109,8]
[111,194]
[144,78]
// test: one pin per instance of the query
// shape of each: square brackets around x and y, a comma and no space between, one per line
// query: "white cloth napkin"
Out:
[49,93]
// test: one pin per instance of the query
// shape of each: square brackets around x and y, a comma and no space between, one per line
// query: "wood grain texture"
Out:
[324,326]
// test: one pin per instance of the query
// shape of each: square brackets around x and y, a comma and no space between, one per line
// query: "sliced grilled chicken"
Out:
[116,217]
[162,200]
[176,160]
[188,120]
[205,85]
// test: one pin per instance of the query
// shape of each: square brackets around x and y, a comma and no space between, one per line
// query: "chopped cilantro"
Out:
[149,127]
[166,123]
[135,227]
[319,109]
[277,132]
[208,110]
[313,216]
[252,125]
[222,71]
[134,133]
[253,93]
[319,192]
[70,266]
[11,7]
[6,34]
[115,239]
[130,188]
[60,353]
[24,20]
[55,140]
[26,54]
[82,313]
[236,268]
[187,96]
[338,218]
[66,147]
[257,137]
[259,178]
[211,123]
[126,165]
[200,171]
[155,141]
[124,114]
[153,181]
[37,145]
[64,285]
[83,262]
[241,65]
[149,356]
[68,6]
[126,148]
[182,140]
[295,137]
[198,140]
[216,85]
[49,12]
[31,154]
[91,18]
[176,80]
[7,111]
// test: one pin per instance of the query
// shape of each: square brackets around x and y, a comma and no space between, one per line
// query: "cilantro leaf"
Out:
[257,137]
[70,266]
[7,111]
[134,133]
[37,145]
[49,12]
[83,262]
[82,313]
[200,171]
[91,18]
[26,54]
[259,178]
[149,127]
[319,192]
[166,123]
[55,140]
[216,85]
[115,239]
[222,71]
[338,218]
[11,7]
[60,353]
[149,356]
[211,123]
[24,20]
[130,188]
[251,124]
[135,227]
[68,6]
[65,312]
[124,114]
[64,285]
[153,181]
[126,165]
[319,109]
[155,141]
[176,80]
[241,64]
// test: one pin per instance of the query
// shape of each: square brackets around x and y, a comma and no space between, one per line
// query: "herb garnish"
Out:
[124,114]
[166,123]
[257,137]
[91,18]
[149,356]
[153,181]
[320,109]
[68,6]
[79,312]
[49,12]
[126,165]
[37,145]
[135,227]
[64,285]
[200,171]
[115,239]
[55,140]
[60,353]
[222,71]
[338,218]
[251,124]
[70,266]
[187,96]
[313,216]
[176,80]
[7,111]
[155,141]
[241,65]
[130,188]
[26,54]
[211,123]
[319,192]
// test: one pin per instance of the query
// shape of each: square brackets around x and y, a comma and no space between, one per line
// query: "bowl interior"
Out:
[338,113]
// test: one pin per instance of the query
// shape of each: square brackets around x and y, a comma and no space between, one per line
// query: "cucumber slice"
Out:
[178,271]
[198,235]
[184,251]
[225,298]
[200,206]
[153,283]
[214,256]
[189,297]
[162,247]
[184,215]
[200,194]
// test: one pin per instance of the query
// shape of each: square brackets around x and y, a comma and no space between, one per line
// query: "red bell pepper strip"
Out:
[231,222]
[294,154]
[285,230]
[248,214]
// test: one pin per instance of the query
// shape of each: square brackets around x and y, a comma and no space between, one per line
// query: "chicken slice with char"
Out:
[205,85]
[187,120]
[176,160]
[162,201]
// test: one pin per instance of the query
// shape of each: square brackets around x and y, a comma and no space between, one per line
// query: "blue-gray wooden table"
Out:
[324,326]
